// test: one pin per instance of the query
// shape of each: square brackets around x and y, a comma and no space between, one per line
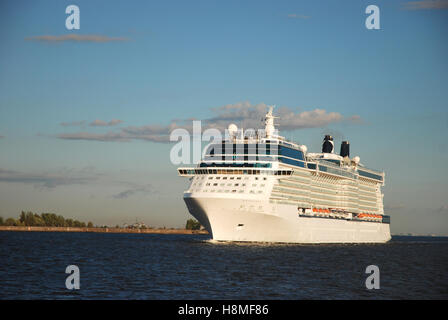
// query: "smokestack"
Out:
[328,145]
[345,149]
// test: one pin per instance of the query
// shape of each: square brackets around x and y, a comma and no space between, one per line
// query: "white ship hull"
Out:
[233,219]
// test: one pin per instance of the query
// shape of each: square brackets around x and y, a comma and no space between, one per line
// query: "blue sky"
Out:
[167,61]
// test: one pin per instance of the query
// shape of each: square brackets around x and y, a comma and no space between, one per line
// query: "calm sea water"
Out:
[145,266]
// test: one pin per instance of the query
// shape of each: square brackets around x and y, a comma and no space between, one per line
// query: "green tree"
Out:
[45,219]
[48,219]
[78,224]
[1,221]
[38,221]
[12,222]
[22,217]
[60,221]
[192,224]
[29,219]
[90,224]
[69,223]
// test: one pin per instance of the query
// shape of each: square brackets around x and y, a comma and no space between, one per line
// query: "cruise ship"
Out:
[261,187]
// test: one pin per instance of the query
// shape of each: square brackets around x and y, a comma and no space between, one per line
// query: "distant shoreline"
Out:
[101,230]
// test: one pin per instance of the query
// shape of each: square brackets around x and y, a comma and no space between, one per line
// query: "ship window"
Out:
[291,153]
[215,184]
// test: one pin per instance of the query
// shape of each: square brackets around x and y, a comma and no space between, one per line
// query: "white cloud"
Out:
[101,123]
[244,114]
[49,179]
[147,189]
[250,116]
[110,136]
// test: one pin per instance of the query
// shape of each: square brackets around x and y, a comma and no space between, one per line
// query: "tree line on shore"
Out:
[192,224]
[43,220]
[31,219]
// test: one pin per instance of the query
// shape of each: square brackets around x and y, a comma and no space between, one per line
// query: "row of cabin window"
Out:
[236,164]
[232,178]
[234,171]
[263,149]
[227,191]
[229,184]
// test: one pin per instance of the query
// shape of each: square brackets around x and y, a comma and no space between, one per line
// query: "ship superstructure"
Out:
[261,187]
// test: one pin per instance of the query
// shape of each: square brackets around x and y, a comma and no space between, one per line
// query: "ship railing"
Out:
[328,163]
[336,169]
[378,172]
[332,168]
[190,172]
